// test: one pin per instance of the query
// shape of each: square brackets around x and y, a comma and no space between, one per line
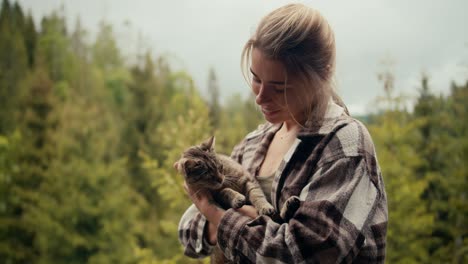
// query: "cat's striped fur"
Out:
[229,183]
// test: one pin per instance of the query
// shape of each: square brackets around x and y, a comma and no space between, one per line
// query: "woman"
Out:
[309,148]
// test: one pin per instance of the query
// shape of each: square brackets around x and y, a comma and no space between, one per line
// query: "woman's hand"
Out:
[248,210]
[208,208]
[203,200]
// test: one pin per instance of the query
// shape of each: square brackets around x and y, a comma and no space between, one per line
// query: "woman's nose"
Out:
[262,95]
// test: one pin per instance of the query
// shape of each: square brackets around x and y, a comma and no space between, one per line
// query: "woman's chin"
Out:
[272,120]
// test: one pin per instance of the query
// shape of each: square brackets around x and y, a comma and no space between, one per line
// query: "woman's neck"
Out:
[290,127]
[288,130]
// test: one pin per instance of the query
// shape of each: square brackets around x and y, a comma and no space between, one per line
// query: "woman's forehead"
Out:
[267,69]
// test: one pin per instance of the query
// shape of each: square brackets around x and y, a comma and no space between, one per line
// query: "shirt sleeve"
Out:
[326,227]
[191,234]
[237,151]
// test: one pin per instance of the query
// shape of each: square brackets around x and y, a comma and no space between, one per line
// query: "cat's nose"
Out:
[175,165]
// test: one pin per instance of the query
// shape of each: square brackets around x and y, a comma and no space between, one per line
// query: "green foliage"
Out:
[241,115]
[106,54]
[106,57]
[395,139]
[28,167]
[421,157]
[87,145]
[53,48]
[30,39]
[445,150]
[185,123]
[214,105]
[10,249]
[79,218]
[13,65]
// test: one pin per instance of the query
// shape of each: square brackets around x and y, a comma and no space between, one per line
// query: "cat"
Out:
[229,183]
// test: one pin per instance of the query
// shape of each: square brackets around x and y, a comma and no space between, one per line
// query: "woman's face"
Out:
[269,85]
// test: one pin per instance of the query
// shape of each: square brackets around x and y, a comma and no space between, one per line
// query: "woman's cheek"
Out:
[255,88]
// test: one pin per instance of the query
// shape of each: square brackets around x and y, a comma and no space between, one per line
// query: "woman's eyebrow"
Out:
[271,82]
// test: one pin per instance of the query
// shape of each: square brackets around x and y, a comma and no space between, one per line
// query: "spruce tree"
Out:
[30,39]
[13,67]
[33,159]
[53,52]
[213,103]
[86,210]
[140,139]
[185,123]
[396,137]
[107,58]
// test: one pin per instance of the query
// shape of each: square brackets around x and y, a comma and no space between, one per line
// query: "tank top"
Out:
[266,183]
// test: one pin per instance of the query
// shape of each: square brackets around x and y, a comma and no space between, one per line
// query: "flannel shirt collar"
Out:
[334,115]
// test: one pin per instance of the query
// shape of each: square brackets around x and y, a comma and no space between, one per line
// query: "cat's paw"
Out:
[238,202]
[289,208]
[267,209]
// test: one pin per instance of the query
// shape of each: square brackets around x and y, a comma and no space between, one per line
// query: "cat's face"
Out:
[199,166]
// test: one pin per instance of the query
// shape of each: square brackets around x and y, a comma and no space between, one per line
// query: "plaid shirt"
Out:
[342,217]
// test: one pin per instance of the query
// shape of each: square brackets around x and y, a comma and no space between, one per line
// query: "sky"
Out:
[408,38]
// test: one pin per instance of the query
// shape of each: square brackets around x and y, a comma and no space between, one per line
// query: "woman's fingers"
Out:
[248,210]
[196,195]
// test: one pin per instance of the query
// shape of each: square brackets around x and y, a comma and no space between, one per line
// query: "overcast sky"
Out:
[417,36]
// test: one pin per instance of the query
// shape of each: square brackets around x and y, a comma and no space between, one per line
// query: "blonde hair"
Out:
[300,38]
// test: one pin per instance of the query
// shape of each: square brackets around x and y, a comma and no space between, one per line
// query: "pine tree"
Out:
[396,140]
[30,39]
[85,210]
[17,19]
[457,175]
[185,123]
[12,248]
[5,14]
[143,118]
[54,53]
[213,103]
[33,158]
[13,66]
[106,57]
[443,149]
[106,54]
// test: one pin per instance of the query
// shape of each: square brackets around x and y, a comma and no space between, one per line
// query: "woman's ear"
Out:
[208,144]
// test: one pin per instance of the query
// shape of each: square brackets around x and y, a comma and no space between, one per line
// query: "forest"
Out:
[88,139]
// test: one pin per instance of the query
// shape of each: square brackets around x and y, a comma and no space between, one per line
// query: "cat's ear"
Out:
[208,144]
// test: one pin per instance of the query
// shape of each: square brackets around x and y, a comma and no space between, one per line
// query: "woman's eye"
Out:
[279,90]
[255,80]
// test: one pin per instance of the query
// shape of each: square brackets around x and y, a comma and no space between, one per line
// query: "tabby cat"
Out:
[229,183]
[227,180]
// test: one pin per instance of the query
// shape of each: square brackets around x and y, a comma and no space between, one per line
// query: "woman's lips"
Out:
[269,112]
